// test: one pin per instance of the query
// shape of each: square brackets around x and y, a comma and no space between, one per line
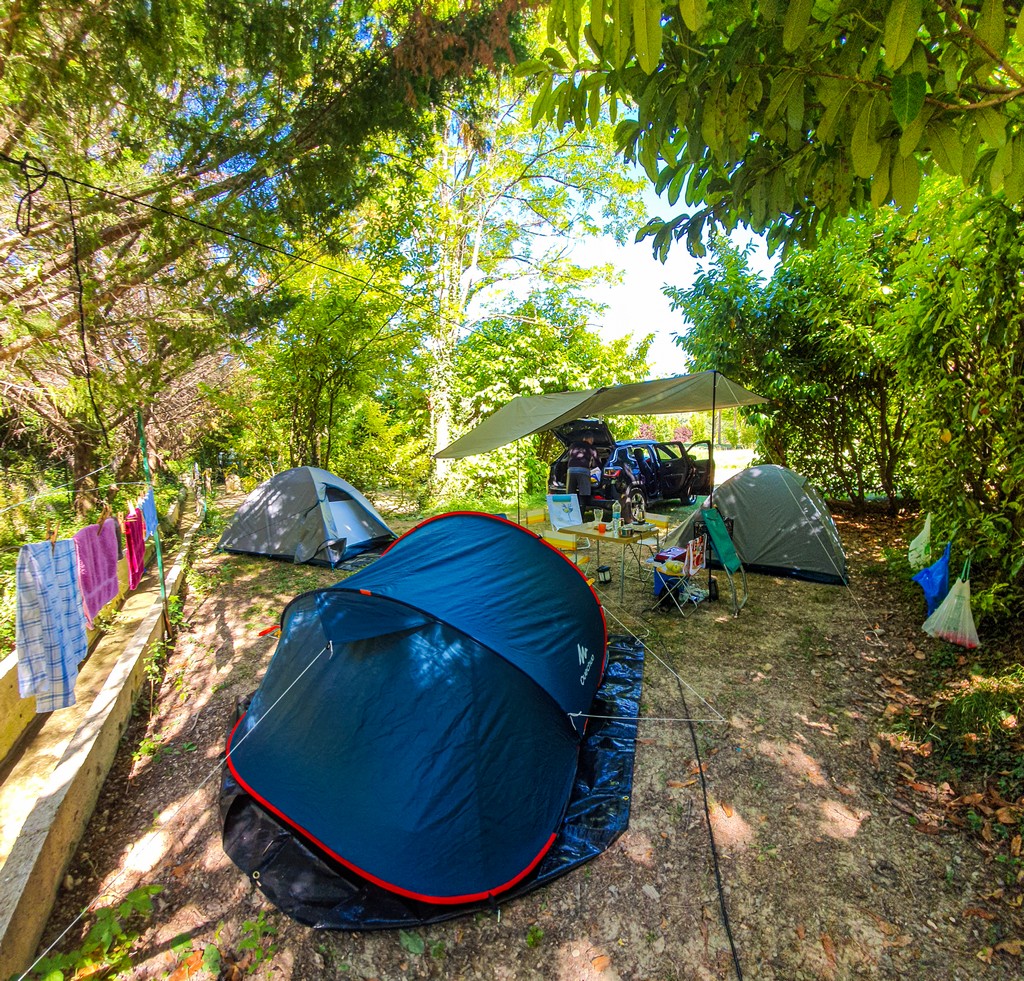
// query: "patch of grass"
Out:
[976,727]
[109,945]
[534,936]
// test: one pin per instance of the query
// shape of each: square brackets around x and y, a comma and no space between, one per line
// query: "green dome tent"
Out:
[782,525]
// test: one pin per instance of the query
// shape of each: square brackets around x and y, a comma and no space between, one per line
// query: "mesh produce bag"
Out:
[920,552]
[953,620]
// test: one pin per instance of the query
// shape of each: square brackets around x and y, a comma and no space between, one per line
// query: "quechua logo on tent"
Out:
[586,662]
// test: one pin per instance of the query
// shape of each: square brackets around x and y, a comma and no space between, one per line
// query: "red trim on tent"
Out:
[390,887]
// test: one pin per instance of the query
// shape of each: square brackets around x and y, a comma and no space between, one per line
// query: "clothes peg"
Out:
[51,537]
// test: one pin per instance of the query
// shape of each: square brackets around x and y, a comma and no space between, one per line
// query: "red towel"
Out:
[96,554]
[135,546]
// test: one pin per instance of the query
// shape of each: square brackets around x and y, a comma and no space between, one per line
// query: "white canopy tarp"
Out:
[526,415]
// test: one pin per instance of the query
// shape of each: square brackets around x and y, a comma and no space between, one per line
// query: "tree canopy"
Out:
[164,164]
[893,357]
[784,116]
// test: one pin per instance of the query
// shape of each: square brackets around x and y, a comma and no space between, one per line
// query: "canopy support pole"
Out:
[711,456]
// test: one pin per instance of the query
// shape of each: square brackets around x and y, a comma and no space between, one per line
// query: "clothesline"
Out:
[53,490]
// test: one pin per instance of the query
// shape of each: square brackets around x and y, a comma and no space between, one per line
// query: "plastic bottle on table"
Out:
[616,518]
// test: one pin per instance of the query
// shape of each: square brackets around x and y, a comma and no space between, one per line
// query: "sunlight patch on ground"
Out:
[839,821]
[584,960]
[638,847]
[794,760]
[731,830]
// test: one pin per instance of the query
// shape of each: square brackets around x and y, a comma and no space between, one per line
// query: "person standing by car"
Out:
[582,459]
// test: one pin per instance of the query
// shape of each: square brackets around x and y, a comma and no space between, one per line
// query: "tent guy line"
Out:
[648,648]
[107,890]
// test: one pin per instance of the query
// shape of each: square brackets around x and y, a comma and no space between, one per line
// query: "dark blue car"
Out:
[644,471]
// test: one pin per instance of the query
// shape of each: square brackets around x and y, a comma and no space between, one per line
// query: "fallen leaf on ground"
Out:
[829,947]
[601,963]
[189,967]
[728,810]
[884,925]
[1012,947]
[982,914]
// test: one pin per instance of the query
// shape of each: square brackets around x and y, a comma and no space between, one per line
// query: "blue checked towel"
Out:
[50,624]
[148,507]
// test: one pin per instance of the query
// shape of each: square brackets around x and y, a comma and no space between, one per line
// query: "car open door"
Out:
[702,475]
[673,469]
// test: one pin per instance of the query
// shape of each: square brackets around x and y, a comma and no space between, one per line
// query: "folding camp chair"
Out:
[681,591]
[566,543]
[726,552]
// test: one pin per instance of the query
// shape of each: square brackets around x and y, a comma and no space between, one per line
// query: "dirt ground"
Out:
[832,862]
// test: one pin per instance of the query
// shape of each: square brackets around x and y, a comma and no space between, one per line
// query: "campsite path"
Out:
[831,867]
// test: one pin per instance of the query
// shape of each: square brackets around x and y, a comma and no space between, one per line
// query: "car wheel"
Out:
[688,500]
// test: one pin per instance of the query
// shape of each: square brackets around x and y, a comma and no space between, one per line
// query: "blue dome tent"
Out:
[306,515]
[418,745]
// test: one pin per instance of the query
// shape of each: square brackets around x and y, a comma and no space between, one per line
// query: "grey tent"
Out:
[306,515]
[782,526]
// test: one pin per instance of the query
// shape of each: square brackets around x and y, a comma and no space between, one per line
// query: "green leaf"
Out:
[694,13]
[647,33]
[908,92]
[676,186]
[622,20]
[794,27]
[913,134]
[880,178]
[1000,164]
[991,25]
[865,149]
[969,163]
[542,103]
[991,126]
[833,111]
[211,960]
[597,21]
[572,25]
[1018,33]
[1013,181]
[412,942]
[795,106]
[905,180]
[901,25]
[947,150]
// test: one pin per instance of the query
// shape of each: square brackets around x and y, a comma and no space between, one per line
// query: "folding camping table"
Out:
[632,544]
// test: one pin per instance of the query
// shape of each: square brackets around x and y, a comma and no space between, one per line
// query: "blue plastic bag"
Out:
[934,580]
